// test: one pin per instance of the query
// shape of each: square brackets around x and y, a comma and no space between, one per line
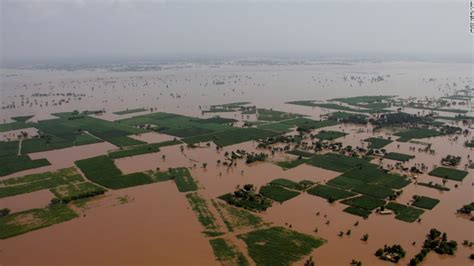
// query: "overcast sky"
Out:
[68,30]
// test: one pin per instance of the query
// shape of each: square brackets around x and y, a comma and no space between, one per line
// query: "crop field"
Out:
[271,115]
[25,221]
[357,211]
[377,143]
[232,136]
[130,111]
[345,182]
[287,183]
[330,193]
[364,202]
[204,215]
[278,193]
[449,173]
[301,153]
[291,164]
[336,162]
[237,218]
[404,213]
[425,202]
[141,149]
[227,253]
[371,174]
[9,148]
[398,156]
[183,179]
[279,127]
[334,106]
[278,245]
[14,126]
[422,133]
[34,182]
[374,191]
[76,191]
[329,135]
[307,124]
[13,164]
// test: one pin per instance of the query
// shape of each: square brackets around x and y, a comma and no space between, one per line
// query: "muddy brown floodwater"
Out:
[156,225]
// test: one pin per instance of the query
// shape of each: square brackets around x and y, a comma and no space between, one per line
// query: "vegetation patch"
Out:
[398,156]
[424,202]
[364,202]
[374,191]
[330,193]
[358,211]
[247,198]
[237,218]
[403,212]
[336,162]
[291,164]
[272,115]
[377,143]
[279,127]
[301,153]
[232,136]
[419,133]
[183,179]
[278,193]
[449,173]
[25,221]
[329,135]
[227,253]
[130,111]
[287,183]
[76,191]
[141,149]
[205,216]
[13,164]
[278,245]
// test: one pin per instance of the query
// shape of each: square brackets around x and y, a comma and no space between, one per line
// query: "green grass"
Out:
[75,191]
[34,182]
[237,218]
[425,202]
[404,213]
[204,215]
[183,179]
[13,164]
[358,211]
[449,173]
[287,183]
[364,202]
[8,148]
[336,162]
[330,193]
[377,143]
[420,133]
[232,136]
[272,115]
[278,245]
[329,135]
[25,221]
[291,164]
[398,156]
[278,193]
[141,149]
[227,253]
[130,111]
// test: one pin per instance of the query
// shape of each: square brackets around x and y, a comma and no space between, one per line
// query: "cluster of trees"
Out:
[83,195]
[393,253]
[451,160]
[400,119]
[247,198]
[466,209]
[4,212]
[469,144]
[254,157]
[436,241]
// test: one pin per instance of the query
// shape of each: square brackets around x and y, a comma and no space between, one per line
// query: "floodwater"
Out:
[157,225]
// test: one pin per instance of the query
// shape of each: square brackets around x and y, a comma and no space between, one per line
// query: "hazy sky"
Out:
[68,30]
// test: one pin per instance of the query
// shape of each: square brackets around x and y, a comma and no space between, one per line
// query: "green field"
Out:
[425,202]
[227,253]
[330,193]
[291,164]
[398,156]
[34,182]
[278,245]
[279,127]
[130,111]
[13,164]
[358,211]
[334,106]
[141,149]
[287,183]
[232,136]
[329,135]
[278,193]
[374,191]
[336,162]
[272,115]
[377,143]
[420,133]
[183,179]
[14,126]
[25,221]
[449,173]
[301,153]
[305,124]
[364,202]
[371,174]
[403,212]
[237,218]
[76,191]
[204,215]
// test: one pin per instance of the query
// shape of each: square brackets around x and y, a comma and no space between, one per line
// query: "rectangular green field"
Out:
[358,211]
[377,143]
[330,193]
[287,183]
[13,164]
[425,202]
[336,162]
[365,202]
[417,134]
[278,193]
[398,156]
[183,179]
[130,111]
[141,149]
[329,135]
[449,173]
[232,136]
[404,213]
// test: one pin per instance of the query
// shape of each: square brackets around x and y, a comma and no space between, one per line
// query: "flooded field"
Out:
[154,223]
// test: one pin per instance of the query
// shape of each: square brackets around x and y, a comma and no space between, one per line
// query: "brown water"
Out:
[158,226]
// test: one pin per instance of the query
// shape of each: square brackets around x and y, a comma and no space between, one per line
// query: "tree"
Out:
[204,165]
